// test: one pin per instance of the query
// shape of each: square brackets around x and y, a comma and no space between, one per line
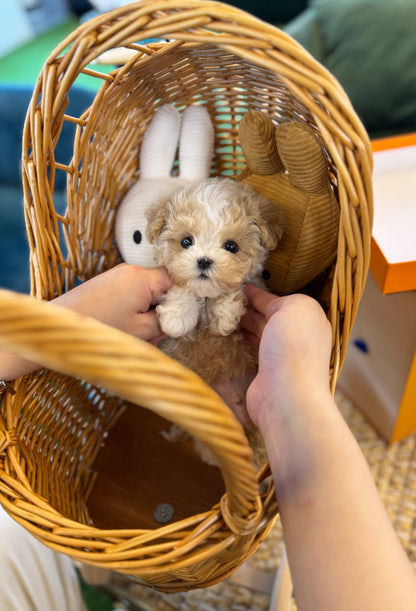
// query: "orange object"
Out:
[393,247]
[380,369]
[406,419]
[393,142]
[379,373]
[391,277]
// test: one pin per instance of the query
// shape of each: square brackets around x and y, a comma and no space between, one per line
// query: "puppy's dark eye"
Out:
[187,242]
[137,236]
[231,246]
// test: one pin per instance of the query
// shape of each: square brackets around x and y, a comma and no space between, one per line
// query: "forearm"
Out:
[120,297]
[342,550]
[12,366]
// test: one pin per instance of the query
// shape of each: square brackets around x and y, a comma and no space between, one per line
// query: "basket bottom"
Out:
[137,470]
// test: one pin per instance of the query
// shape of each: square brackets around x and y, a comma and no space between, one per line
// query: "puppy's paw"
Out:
[222,326]
[225,312]
[205,454]
[175,434]
[178,312]
[176,324]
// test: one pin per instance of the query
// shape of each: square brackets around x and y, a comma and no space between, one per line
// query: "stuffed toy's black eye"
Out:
[137,236]
[187,242]
[231,246]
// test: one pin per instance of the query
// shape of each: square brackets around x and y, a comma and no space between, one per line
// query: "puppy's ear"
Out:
[269,219]
[156,218]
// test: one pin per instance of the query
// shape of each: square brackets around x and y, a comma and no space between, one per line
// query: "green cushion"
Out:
[306,30]
[369,46]
[271,10]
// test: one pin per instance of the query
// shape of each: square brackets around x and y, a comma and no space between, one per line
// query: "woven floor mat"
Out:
[394,471]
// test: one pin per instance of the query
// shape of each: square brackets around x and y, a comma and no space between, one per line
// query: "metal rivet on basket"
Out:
[163,513]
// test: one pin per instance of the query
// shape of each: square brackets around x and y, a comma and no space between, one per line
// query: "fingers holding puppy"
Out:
[262,305]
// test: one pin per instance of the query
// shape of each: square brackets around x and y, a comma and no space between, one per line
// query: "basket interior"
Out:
[122,497]
[102,461]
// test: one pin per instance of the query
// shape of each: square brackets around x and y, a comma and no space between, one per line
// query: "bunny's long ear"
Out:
[160,143]
[196,143]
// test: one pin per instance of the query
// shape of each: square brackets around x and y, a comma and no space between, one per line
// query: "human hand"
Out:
[294,338]
[326,496]
[121,297]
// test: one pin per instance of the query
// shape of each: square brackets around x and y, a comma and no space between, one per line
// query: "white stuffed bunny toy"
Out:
[193,132]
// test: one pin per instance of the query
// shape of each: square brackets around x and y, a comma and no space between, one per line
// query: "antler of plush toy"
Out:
[193,133]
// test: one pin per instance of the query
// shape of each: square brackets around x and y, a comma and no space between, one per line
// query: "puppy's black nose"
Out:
[204,263]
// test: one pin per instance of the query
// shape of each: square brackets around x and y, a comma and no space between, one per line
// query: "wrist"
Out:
[288,403]
[293,425]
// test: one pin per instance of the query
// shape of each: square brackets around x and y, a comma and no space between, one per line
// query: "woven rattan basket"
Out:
[55,476]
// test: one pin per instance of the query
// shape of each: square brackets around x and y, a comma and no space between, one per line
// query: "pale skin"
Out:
[120,297]
[343,552]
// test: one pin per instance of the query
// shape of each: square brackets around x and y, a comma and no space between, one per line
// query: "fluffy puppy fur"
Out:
[213,236]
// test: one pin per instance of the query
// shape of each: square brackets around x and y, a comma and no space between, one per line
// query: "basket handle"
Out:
[79,346]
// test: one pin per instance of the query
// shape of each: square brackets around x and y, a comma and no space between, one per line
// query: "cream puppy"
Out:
[212,236]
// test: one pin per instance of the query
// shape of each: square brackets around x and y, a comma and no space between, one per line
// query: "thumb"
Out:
[262,301]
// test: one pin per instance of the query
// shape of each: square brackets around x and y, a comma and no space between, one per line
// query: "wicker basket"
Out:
[55,476]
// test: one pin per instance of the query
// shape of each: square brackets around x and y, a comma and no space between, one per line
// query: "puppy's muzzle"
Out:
[204,263]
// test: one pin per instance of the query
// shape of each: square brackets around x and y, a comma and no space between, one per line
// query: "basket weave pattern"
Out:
[52,429]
